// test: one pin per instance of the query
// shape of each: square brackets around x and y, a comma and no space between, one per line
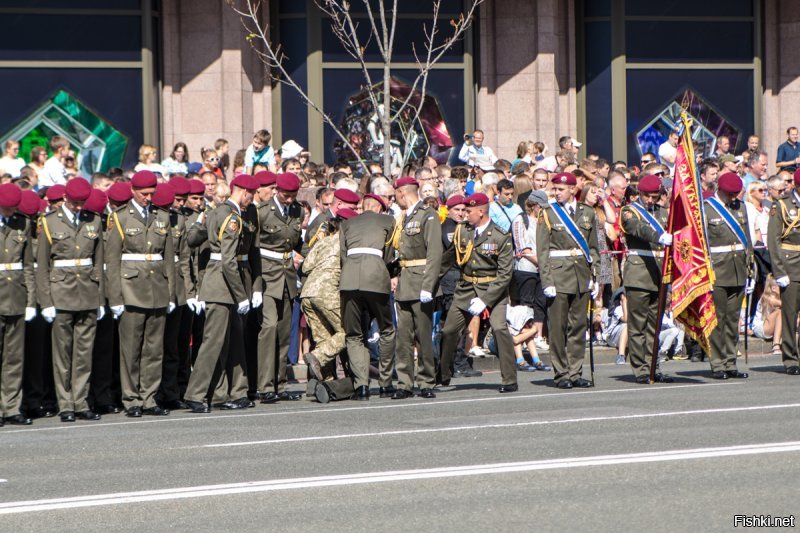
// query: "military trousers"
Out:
[339,389]
[415,327]
[325,320]
[212,358]
[73,340]
[273,342]
[725,337]
[12,355]
[642,319]
[790,306]
[174,356]
[141,347]
[38,389]
[185,350]
[457,320]
[376,305]
[566,323]
[102,379]
[233,382]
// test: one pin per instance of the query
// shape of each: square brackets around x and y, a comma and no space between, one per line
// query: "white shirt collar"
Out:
[72,217]
[142,210]
[235,206]
[481,229]
[283,209]
[411,209]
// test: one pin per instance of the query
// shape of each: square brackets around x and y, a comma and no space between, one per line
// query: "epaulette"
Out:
[501,230]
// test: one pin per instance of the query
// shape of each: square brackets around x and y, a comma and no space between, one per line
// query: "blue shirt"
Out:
[504,215]
[788,152]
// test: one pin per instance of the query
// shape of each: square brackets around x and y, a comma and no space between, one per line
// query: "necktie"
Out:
[477,233]
[571,212]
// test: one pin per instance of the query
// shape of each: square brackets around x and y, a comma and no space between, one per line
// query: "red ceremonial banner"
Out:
[688,265]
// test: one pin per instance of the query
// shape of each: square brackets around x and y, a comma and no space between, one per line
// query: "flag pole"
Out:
[662,298]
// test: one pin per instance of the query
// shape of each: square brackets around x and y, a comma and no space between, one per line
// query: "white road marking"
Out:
[410,404]
[398,475]
[505,425]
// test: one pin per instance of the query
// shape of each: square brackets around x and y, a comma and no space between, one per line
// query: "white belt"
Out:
[646,253]
[218,257]
[10,266]
[727,248]
[142,257]
[574,252]
[365,251]
[63,263]
[277,256]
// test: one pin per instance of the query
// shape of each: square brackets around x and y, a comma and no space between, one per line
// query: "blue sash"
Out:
[730,221]
[650,219]
[572,229]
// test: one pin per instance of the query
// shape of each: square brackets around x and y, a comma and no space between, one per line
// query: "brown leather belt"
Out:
[475,280]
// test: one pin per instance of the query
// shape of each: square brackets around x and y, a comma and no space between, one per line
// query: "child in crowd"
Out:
[615,324]
[259,151]
[520,325]
[767,320]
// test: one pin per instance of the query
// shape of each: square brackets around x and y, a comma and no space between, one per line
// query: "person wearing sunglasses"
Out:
[211,162]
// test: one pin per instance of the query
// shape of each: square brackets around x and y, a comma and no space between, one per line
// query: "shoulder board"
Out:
[424,207]
[500,230]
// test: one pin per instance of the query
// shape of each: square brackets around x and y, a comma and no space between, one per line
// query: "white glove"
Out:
[665,239]
[257,299]
[782,282]
[476,306]
[30,313]
[117,310]
[192,304]
[550,292]
[594,288]
[750,286]
[201,306]
[244,307]
[170,307]
[49,314]
[101,312]
[425,297]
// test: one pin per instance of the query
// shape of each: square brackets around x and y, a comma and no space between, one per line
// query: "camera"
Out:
[467,136]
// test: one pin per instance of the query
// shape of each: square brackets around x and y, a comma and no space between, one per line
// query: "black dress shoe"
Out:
[387,392]
[445,382]
[793,370]
[719,375]
[402,394]
[225,406]
[582,383]
[663,378]
[361,393]
[269,397]
[87,415]
[467,373]
[564,384]
[109,409]
[197,407]
[508,388]
[290,396]
[174,405]
[321,393]
[134,412]
[40,412]
[155,411]
[735,374]
[68,416]
[244,403]
[427,393]
[19,420]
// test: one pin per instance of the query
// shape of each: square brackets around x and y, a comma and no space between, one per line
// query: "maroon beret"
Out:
[377,199]
[346,213]
[120,192]
[730,183]
[455,200]
[197,187]
[10,195]
[565,178]
[55,193]
[477,199]
[346,195]
[144,179]
[77,190]
[180,185]
[288,181]
[245,181]
[97,202]
[797,177]
[649,184]
[405,180]
[266,178]
[30,204]
[164,195]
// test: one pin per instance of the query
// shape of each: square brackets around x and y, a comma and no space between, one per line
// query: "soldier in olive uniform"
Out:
[18,302]
[643,224]
[71,286]
[418,243]
[731,255]
[783,242]
[197,239]
[365,251]
[279,239]
[566,244]
[485,255]
[224,291]
[141,292]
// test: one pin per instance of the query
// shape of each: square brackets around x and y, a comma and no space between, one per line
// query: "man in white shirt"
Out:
[668,151]
[475,154]
[54,170]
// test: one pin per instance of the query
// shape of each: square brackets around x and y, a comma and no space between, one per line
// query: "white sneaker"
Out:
[541,344]
[620,360]
[477,351]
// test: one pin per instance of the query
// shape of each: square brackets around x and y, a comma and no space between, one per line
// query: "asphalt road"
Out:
[687,456]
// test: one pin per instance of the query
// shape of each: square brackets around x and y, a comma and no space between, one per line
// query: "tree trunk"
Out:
[386,121]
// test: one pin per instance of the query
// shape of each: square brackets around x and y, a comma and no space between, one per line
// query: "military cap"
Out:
[405,180]
[164,195]
[97,202]
[346,195]
[346,213]
[120,192]
[77,190]
[649,184]
[144,179]
[245,181]
[180,185]
[455,200]
[730,183]
[197,187]
[377,199]
[55,193]
[288,181]
[477,199]
[565,178]
[10,195]
[266,178]
[30,204]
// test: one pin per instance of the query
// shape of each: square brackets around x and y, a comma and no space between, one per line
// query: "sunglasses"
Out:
[647,161]
[212,160]
[760,189]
